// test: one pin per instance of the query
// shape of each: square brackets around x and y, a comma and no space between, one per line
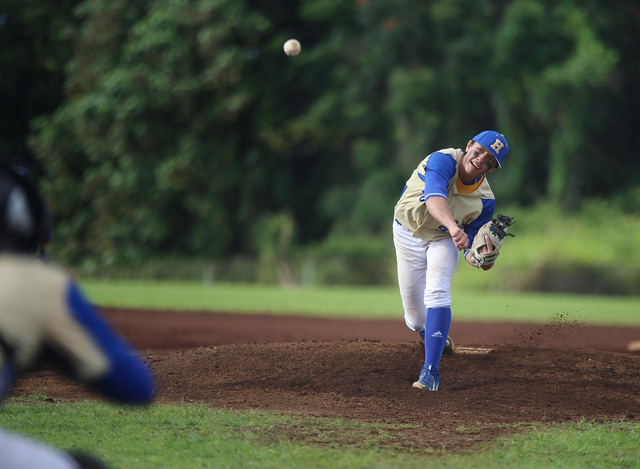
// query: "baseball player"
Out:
[443,205]
[44,314]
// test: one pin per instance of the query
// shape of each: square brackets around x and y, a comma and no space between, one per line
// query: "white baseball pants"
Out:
[425,270]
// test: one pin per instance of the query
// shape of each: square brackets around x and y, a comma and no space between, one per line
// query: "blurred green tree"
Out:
[151,137]
[185,128]
[550,68]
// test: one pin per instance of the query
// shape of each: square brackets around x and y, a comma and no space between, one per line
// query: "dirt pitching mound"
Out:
[500,373]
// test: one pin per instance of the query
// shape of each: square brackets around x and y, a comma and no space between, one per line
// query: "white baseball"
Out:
[292,47]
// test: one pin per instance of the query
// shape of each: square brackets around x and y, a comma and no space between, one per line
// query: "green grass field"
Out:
[196,435]
[361,302]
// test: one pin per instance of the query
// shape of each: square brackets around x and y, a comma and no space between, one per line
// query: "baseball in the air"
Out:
[292,47]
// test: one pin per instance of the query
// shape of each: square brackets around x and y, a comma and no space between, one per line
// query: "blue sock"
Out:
[436,330]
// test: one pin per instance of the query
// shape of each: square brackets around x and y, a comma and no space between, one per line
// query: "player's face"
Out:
[477,161]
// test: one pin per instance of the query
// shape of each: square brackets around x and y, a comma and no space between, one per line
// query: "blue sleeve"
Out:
[439,171]
[128,379]
[488,206]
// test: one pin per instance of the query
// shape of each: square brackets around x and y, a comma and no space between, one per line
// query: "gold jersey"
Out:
[467,203]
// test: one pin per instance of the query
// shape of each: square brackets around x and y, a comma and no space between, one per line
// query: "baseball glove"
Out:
[496,229]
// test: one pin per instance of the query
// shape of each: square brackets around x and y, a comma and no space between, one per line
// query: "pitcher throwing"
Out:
[443,205]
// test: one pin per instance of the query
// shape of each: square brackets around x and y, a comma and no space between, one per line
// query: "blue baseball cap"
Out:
[495,143]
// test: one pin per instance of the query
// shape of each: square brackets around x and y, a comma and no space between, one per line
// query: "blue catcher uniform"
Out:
[43,313]
[426,253]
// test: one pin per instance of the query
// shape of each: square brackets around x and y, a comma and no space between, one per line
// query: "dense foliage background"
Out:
[178,129]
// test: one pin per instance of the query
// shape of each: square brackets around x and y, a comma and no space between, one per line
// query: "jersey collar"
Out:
[468,189]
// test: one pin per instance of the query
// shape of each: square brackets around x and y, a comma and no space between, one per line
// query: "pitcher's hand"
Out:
[460,238]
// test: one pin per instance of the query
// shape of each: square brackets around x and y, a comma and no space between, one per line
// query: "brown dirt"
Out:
[500,375]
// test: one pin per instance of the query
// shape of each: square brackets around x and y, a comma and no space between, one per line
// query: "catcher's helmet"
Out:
[21,214]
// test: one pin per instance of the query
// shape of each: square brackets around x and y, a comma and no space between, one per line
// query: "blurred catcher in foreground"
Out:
[44,315]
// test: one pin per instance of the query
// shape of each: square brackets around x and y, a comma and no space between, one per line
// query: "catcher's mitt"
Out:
[496,229]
